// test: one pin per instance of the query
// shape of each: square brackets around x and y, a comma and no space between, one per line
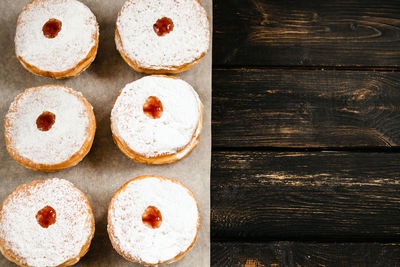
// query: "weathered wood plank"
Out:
[305,108]
[276,254]
[307,33]
[305,196]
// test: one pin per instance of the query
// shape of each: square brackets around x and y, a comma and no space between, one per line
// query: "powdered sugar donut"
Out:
[46,223]
[56,38]
[49,128]
[162,36]
[157,119]
[153,220]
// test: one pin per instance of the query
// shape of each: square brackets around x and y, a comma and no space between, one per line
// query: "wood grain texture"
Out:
[276,254]
[304,108]
[307,33]
[336,196]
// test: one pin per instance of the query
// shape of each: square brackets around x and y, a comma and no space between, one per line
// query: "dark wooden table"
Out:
[306,133]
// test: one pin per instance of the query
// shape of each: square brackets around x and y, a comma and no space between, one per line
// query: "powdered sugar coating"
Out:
[188,40]
[180,219]
[73,43]
[170,133]
[37,246]
[65,138]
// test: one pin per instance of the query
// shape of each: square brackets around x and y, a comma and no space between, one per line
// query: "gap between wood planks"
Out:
[309,149]
[327,68]
[307,240]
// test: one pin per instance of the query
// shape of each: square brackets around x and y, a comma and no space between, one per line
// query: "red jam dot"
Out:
[153,107]
[45,121]
[51,28]
[46,216]
[163,26]
[152,217]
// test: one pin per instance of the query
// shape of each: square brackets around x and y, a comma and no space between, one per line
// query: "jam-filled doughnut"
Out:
[46,223]
[153,220]
[162,36]
[49,128]
[157,119]
[56,38]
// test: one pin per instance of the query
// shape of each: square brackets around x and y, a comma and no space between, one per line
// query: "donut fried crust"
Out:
[163,159]
[73,72]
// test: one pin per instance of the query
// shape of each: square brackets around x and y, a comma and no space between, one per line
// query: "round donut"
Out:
[162,36]
[56,38]
[153,220]
[46,223]
[157,119]
[49,128]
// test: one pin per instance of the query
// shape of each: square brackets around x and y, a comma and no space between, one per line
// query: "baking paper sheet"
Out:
[105,168]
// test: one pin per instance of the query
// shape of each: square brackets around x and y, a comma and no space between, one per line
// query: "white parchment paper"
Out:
[105,168]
